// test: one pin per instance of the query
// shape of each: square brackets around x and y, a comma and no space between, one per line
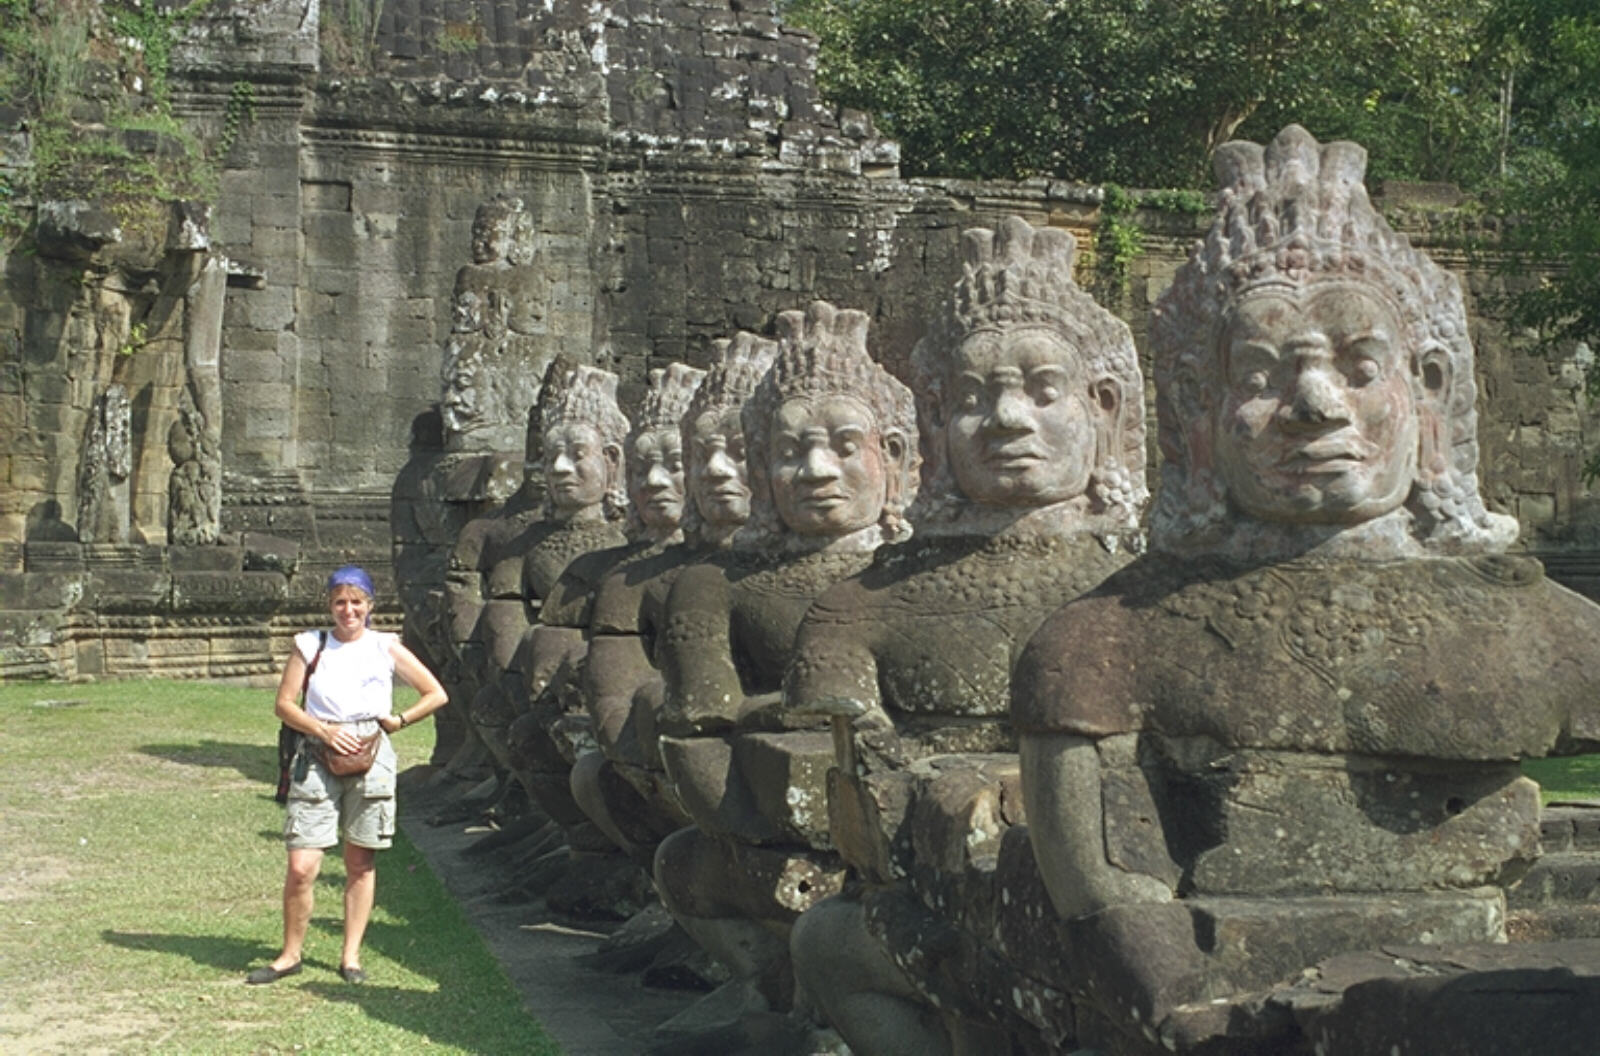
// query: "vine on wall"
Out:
[1119,236]
[90,78]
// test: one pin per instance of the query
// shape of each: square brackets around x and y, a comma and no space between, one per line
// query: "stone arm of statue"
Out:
[703,690]
[1062,785]
[617,667]
[546,650]
[1066,822]
[834,671]
[463,585]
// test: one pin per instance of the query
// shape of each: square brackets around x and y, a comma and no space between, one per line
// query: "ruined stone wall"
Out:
[685,181]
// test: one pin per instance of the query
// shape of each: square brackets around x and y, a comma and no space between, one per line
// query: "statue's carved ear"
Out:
[1105,404]
[613,456]
[895,447]
[1434,370]
[896,453]
[1434,373]
[1105,395]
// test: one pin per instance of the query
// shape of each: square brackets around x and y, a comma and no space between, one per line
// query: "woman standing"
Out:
[348,700]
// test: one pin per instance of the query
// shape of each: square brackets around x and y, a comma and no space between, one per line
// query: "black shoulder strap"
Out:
[322,643]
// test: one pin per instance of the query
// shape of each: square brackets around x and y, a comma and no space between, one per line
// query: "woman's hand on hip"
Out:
[342,739]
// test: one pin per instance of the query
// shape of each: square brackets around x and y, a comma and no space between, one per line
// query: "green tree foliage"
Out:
[1552,186]
[1141,91]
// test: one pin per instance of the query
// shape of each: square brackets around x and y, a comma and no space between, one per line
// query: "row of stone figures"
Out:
[916,735]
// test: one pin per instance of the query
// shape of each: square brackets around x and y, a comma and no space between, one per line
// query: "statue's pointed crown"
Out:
[670,391]
[823,351]
[738,365]
[578,394]
[1017,275]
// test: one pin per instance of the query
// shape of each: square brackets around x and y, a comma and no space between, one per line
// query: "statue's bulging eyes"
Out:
[1365,371]
[1254,382]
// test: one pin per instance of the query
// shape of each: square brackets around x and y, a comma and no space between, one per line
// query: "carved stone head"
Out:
[485,394]
[1313,370]
[655,453]
[581,432]
[1029,393]
[501,231]
[829,433]
[713,438]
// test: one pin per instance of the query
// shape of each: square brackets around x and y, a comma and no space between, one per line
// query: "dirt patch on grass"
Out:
[48,1025]
[30,877]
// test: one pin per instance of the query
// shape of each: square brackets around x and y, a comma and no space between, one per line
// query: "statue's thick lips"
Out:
[1323,457]
[1015,459]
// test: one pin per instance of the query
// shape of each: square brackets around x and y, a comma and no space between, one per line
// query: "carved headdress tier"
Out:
[671,391]
[1291,214]
[1019,275]
[1016,277]
[822,352]
[582,395]
[740,364]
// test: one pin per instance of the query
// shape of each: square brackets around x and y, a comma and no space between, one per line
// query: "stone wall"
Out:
[685,181]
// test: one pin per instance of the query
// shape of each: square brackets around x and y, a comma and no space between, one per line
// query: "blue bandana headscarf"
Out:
[352,576]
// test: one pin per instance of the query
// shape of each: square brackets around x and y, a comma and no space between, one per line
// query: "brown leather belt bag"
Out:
[352,764]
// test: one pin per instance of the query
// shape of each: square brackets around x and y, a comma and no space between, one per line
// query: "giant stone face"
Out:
[656,478]
[1021,430]
[575,466]
[1318,421]
[827,468]
[717,468]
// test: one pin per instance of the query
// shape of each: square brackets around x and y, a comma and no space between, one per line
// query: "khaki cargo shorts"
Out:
[322,808]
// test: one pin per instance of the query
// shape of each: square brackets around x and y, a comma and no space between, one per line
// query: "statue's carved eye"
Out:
[1049,394]
[1365,371]
[1255,382]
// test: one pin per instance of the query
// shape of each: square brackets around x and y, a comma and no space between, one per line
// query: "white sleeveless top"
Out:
[353,680]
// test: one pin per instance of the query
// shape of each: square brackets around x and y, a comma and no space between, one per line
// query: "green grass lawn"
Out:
[140,878]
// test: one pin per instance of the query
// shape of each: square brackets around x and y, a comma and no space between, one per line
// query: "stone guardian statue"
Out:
[1031,412]
[1294,728]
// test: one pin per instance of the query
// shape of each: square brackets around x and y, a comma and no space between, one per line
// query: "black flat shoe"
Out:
[268,974]
[351,975]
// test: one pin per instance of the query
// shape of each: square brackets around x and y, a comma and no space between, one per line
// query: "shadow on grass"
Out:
[474,1009]
[258,762]
[444,1014]
[443,1017]
[223,952]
